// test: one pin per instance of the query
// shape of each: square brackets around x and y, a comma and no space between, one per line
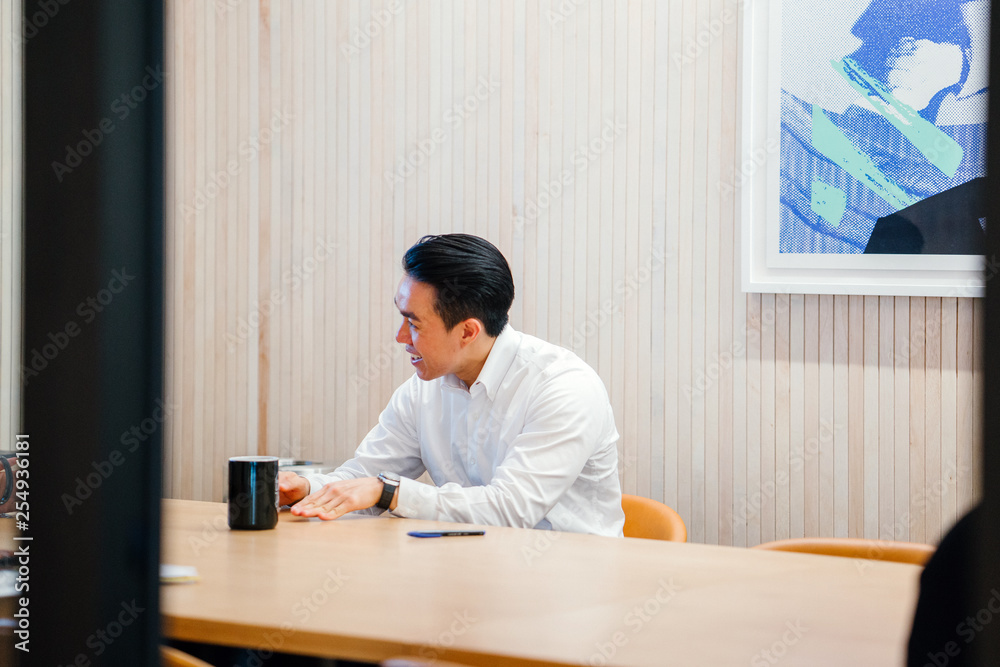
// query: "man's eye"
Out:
[412,325]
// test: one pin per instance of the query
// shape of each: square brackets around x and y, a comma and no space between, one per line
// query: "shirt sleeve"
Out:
[392,445]
[567,421]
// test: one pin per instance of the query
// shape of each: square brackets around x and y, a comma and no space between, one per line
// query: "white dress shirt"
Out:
[531,444]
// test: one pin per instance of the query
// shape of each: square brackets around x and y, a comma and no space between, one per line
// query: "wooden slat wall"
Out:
[352,128]
[11,47]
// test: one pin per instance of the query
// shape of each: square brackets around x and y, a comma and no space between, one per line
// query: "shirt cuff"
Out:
[415,500]
[316,482]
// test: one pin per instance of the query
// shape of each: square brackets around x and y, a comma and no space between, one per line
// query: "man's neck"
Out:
[470,372]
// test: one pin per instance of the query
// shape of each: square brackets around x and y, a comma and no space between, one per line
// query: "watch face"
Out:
[390,477]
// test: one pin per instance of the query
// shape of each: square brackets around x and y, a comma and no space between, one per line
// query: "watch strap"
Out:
[388,491]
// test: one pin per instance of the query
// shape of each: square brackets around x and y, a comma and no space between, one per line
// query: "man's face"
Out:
[434,352]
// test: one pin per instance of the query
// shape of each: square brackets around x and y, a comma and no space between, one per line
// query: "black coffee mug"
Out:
[253,492]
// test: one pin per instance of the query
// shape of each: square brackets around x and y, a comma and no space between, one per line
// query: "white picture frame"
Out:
[756,184]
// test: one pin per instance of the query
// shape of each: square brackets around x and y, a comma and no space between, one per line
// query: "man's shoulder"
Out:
[534,350]
[553,362]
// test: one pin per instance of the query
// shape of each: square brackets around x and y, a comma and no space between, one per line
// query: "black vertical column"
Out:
[93,342]
[987,581]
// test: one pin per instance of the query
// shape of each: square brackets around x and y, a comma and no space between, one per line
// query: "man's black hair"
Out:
[469,275]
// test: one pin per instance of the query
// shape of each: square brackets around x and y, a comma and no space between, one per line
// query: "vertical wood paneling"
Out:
[749,504]
[797,412]
[11,50]
[822,449]
[842,408]
[318,207]
[933,481]
[590,142]
[669,25]
[856,409]
[902,441]
[192,172]
[810,461]
[769,394]
[975,479]
[699,274]
[783,445]
[205,411]
[886,417]
[949,409]
[965,418]
[195,239]
[659,339]
[686,21]
[173,223]
[732,342]
[645,275]
[918,446]
[872,395]
[266,428]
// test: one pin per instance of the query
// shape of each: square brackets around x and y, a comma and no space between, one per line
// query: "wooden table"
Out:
[360,588]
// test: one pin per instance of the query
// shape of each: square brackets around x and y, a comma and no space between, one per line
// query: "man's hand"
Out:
[336,499]
[291,488]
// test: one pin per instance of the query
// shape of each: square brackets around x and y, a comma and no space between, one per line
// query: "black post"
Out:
[93,330]
[987,549]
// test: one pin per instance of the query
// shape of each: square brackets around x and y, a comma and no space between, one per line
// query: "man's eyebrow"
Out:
[403,312]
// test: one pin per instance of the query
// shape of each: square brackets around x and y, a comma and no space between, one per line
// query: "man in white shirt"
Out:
[513,431]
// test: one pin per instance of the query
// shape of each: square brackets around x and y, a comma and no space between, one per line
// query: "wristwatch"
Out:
[390,482]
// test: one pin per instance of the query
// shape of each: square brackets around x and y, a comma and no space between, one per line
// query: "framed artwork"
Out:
[863,143]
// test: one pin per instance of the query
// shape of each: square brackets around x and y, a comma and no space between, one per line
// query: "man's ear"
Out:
[471,330]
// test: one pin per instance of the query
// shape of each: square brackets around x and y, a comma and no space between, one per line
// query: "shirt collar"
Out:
[497,363]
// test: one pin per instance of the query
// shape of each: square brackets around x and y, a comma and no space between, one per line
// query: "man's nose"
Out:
[403,335]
